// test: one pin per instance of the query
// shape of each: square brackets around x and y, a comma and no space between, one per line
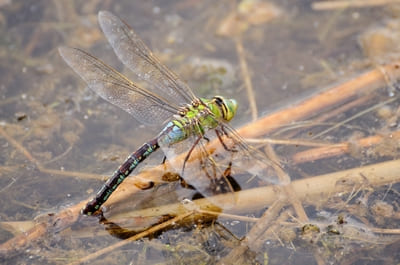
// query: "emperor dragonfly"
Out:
[189,119]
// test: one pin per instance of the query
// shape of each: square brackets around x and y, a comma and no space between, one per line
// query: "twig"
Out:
[59,156]
[13,180]
[361,85]
[297,142]
[256,231]
[342,109]
[17,145]
[342,148]
[246,78]
[133,238]
[359,114]
[330,5]
[67,173]
[230,216]
[307,190]
[290,195]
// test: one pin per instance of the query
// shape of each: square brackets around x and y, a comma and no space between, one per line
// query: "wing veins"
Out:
[122,81]
[131,43]
[155,62]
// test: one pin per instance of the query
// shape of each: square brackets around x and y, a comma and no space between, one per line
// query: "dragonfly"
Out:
[190,122]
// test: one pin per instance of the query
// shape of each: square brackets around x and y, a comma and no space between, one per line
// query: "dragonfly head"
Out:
[227,107]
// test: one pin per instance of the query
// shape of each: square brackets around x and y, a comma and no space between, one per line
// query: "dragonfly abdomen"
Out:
[119,175]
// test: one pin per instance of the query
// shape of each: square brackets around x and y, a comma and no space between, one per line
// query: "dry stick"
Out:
[359,114]
[297,142]
[36,35]
[318,121]
[246,78]
[324,117]
[335,112]
[248,200]
[391,231]
[362,84]
[258,229]
[60,221]
[343,148]
[254,239]
[287,189]
[148,232]
[136,182]
[330,5]
[256,246]
[308,190]
[70,173]
[269,215]
[294,201]
[13,180]
[9,168]
[230,216]
[342,109]
[282,218]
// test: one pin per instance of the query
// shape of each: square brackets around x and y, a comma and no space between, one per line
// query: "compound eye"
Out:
[219,100]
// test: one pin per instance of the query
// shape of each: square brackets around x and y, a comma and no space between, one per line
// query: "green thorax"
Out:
[207,114]
[198,119]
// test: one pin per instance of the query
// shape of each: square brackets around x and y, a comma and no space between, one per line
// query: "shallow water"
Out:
[59,139]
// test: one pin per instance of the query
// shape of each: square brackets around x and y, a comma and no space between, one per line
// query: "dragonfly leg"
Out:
[204,169]
[221,181]
[228,171]
[185,185]
[189,153]
[219,135]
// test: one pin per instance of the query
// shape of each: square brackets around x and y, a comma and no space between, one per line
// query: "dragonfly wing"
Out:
[219,162]
[245,157]
[117,89]
[199,168]
[131,50]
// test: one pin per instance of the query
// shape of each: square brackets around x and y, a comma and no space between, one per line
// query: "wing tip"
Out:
[104,13]
[69,54]
[106,17]
[66,53]
[62,50]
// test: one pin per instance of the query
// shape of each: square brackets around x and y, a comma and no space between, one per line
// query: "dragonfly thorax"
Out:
[182,111]
[197,119]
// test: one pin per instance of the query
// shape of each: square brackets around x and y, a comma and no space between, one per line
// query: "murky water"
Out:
[59,141]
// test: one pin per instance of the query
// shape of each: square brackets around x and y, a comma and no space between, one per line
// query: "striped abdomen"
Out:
[119,175]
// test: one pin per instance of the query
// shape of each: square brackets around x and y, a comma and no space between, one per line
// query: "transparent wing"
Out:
[134,54]
[199,168]
[246,157]
[145,106]
[218,162]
